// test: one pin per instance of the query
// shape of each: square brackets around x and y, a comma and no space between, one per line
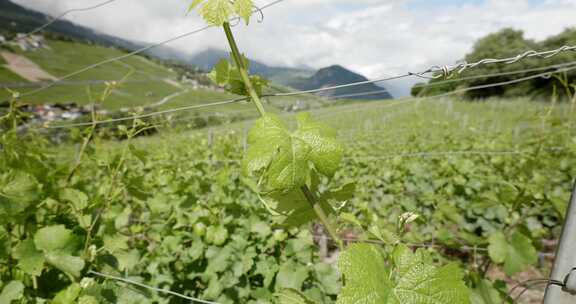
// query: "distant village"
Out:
[26,42]
[45,113]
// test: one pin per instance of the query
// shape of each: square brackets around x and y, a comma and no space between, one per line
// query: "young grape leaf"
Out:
[57,243]
[77,198]
[484,292]
[326,152]
[410,280]
[366,275]
[291,296]
[12,291]
[291,276]
[18,190]
[285,157]
[227,75]
[53,238]
[68,295]
[297,208]
[217,12]
[515,253]
[30,259]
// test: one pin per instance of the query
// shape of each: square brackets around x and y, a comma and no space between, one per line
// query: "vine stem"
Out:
[243,70]
[313,200]
[310,197]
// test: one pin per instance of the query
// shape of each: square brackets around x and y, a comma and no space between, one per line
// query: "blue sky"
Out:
[377,38]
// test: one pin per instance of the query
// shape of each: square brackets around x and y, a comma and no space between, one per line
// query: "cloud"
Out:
[374,37]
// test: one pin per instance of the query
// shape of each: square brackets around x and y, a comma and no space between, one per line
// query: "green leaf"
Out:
[498,248]
[53,238]
[11,292]
[217,12]
[87,300]
[18,190]
[291,276]
[345,193]
[68,295]
[267,136]
[366,275]
[411,279]
[244,9]
[284,157]
[485,293]
[326,151]
[58,244]
[127,260]
[65,262]
[30,259]
[291,296]
[78,199]
[515,253]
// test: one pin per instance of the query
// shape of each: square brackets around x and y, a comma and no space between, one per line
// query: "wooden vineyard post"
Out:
[564,269]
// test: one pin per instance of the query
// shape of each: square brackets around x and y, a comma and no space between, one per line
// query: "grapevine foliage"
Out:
[284,161]
[516,252]
[227,75]
[217,12]
[411,278]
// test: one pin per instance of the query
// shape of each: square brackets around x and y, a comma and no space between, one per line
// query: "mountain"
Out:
[207,59]
[337,75]
[300,78]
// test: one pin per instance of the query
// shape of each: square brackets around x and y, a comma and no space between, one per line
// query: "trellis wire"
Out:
[555,66]
[323,116]
[132,282]
[42,27]
[459,91]
[446,70]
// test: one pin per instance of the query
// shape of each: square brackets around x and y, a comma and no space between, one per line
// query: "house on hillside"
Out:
[29,42]
[2,39]
[51,112]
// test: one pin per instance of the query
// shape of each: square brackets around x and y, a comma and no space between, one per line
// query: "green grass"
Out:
[145,85]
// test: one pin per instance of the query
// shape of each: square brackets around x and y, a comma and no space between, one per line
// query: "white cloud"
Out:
[374,37]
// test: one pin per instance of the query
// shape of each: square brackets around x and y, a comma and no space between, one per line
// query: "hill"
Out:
[338,75]
[297,78]
[208,58]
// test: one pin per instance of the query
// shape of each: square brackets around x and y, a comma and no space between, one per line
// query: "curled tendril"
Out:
[260,13]
[235,21]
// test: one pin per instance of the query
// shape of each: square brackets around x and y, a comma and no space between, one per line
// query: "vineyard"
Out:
[425,200]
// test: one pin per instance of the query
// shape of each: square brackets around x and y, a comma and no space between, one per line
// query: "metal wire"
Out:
[358,94]
[128,281]
[446,71]
[463,66]
[42,27]
[496,74]
[371,106]
[230,101]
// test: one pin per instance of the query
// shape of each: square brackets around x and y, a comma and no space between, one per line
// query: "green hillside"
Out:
[146,82]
